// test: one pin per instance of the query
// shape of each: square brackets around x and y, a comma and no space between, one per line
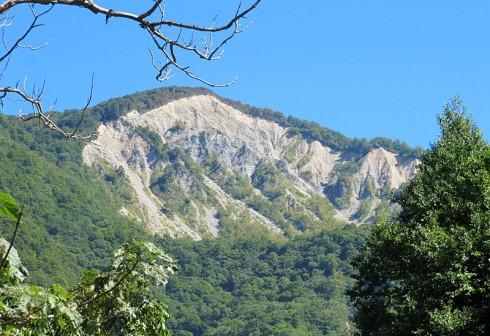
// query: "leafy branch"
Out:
[105,302]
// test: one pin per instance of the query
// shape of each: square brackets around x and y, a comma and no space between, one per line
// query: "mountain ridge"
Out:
[145,101]
[84,212]
[202,126]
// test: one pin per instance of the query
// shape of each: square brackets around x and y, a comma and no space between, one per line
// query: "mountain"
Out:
[184,162]
[199,164]
[252,204]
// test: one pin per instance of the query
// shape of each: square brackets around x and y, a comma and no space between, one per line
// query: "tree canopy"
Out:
[112,301]
[428,272]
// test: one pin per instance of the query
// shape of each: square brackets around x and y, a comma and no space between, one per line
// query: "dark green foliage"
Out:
[340,192]
[279,201]
[395,146]
[72,220]
[248,282]
[427,272]
[255,285]
[153,139]
[114,301]
[112,109]
[284,204]
[142,101]
[151,99]
[364,208]
[269,181]
[235,184]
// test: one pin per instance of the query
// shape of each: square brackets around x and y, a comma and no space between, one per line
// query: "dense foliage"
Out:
[73,212]
[247,282]
[113,301]
[427,272]
[254,285]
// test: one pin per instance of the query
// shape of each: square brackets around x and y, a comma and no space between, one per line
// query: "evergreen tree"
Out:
[428,271]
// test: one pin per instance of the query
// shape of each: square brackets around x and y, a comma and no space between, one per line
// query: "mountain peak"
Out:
[197,164]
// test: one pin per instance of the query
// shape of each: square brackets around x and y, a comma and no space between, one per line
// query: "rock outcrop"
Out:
[201,133]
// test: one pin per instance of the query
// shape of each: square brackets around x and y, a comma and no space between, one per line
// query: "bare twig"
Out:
[163,42]
[33,26]
[152,20]
[38,112]
[84,109]
[151,10]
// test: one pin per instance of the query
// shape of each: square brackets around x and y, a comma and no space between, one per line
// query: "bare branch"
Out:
[162,40]
[33,26]
[153,21]
[38,112]
[5,66]
[84,109]
[151,10]
[172,60]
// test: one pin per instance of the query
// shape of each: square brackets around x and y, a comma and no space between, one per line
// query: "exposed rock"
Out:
[202,126]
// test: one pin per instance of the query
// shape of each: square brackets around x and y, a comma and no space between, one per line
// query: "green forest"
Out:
[256,285]
[71,224]
[423,272]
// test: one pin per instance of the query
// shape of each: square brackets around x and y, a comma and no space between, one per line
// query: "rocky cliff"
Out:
[198,165]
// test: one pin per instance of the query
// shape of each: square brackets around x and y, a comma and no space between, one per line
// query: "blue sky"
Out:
[364,68]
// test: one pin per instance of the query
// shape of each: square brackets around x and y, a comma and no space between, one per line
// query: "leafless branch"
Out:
[151,10]
[84,109]
[153,20]
[33,26]
[38,112]
[162,40]
[6,21]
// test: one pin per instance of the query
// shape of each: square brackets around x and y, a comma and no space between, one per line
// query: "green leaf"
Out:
[61,322]
[8,207]
[63,293]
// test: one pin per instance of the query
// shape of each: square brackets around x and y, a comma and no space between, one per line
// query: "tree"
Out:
[171,39]
[114,301]
[428,271]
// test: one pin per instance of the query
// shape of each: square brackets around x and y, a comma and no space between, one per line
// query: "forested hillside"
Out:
[151,99]
[197,165]
[71,219]
[276,261]
[256,285]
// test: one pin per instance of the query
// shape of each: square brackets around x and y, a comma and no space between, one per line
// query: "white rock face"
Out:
[241,142]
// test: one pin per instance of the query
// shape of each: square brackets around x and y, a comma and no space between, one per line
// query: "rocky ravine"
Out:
[203,125]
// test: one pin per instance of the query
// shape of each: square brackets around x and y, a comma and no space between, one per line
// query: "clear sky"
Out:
[364,68]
